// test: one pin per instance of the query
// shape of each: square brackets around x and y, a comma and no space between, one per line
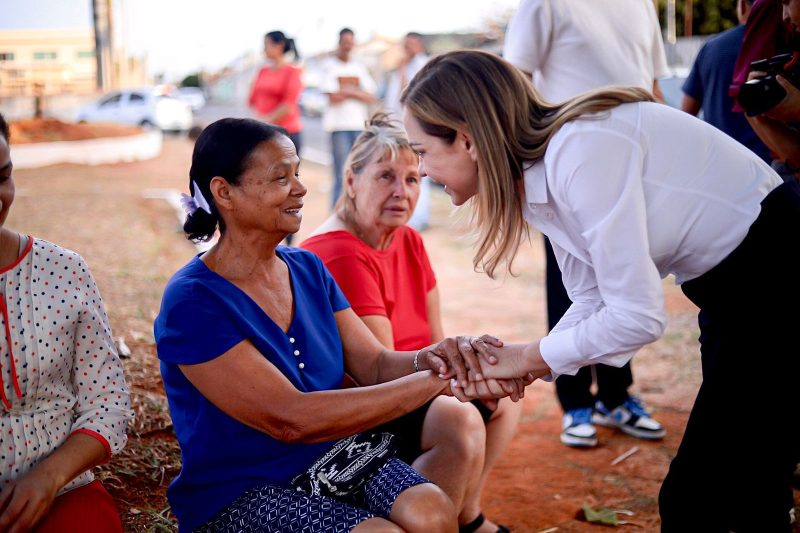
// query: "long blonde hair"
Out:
[482,94]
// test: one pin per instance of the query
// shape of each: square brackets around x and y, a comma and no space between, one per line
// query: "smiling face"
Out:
[453,165]
[386,190]
[269,196]
[6,180]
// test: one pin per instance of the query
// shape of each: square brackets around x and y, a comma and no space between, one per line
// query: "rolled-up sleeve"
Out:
[103,407]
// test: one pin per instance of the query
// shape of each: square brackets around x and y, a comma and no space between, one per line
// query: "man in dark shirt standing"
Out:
[708,84]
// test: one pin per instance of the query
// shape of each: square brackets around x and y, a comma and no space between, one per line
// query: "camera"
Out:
[762,94]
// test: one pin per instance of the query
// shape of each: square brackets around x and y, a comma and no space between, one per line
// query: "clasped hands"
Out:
[479,367]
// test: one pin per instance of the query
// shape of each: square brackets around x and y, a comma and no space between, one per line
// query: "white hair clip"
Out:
[196,201]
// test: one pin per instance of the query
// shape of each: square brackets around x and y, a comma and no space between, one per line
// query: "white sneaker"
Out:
[630,417]
[577,428]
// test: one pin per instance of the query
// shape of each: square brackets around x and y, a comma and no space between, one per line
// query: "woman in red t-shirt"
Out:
[275,94]
[382,267]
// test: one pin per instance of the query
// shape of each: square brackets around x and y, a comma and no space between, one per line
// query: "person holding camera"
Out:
[706,88]
[770,97]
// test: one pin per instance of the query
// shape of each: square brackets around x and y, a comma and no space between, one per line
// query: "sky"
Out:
[182,36]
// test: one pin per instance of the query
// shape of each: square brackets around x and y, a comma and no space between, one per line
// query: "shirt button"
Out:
[301,366]
[549,215]
[296,352]
[291,339]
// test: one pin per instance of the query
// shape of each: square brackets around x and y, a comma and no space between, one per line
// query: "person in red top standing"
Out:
[275,94]
[383,269]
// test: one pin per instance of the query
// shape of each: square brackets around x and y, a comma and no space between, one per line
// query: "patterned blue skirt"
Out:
[272,508]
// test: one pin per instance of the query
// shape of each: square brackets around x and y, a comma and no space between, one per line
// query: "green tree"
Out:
[708,16]
[192,80]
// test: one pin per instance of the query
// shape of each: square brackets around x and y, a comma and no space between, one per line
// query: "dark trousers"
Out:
[733,469]
[574,391]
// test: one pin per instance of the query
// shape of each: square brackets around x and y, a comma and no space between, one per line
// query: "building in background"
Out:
[49,61]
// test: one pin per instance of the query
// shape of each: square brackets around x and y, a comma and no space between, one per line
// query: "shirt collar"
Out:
[535,179]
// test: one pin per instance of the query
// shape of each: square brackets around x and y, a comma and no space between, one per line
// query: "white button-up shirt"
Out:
[626,198]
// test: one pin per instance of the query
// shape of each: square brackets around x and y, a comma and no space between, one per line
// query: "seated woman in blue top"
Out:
[254,339]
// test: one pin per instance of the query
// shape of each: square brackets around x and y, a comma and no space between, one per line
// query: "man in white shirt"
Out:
[570,47]
[414,58]
[350,91]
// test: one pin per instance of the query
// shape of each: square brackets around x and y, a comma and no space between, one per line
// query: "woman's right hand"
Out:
[456,356]
[511,361]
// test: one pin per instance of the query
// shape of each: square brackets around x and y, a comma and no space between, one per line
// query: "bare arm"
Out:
[782,140]
[27,499]
[277,114]
[351,93]
[659,96]
[434,315]
[294,416]
[690,105]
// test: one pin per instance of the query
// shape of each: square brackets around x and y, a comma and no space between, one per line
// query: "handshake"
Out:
[483,367]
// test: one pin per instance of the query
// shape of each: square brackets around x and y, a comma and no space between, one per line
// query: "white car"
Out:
[139,107]
[191,95]
[313,102]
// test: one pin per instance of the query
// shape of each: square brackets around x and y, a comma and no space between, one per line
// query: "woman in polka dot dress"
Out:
[64,404]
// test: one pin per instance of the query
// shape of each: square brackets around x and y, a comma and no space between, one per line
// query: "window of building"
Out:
[39,56]
[82,54]
[6,56]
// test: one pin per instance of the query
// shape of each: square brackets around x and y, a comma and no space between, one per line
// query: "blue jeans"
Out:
[341,143]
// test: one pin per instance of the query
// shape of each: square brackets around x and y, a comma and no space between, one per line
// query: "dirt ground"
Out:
[51,130]
[133,244]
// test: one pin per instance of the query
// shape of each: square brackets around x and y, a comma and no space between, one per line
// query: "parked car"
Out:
[139,107]
[312,102]
[193,96]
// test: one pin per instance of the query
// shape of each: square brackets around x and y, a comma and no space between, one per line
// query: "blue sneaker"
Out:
[630,417]
[577,429]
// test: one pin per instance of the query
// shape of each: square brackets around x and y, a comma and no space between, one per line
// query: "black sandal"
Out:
[478,522]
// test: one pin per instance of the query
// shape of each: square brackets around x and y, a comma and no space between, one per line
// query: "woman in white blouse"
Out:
[64,404]
[630,191]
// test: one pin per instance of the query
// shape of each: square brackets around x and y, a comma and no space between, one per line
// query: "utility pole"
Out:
[671,32]
[98,44]
[688,17]
[101,17]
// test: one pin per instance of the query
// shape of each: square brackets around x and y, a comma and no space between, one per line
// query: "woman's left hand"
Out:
[489,390]
[26,500]
[455,356]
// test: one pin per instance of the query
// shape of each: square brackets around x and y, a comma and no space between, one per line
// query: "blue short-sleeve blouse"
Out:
[203,316]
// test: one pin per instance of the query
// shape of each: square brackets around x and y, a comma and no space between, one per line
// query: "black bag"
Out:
[349,464]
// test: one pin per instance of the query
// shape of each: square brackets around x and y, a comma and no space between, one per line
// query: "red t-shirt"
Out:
[274,87]
[393,283]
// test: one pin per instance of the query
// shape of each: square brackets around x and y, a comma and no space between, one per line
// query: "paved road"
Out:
[316,146]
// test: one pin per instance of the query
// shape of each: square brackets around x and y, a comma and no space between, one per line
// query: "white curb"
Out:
[107,150]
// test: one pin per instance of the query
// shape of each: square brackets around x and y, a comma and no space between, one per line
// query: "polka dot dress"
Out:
[59,371]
